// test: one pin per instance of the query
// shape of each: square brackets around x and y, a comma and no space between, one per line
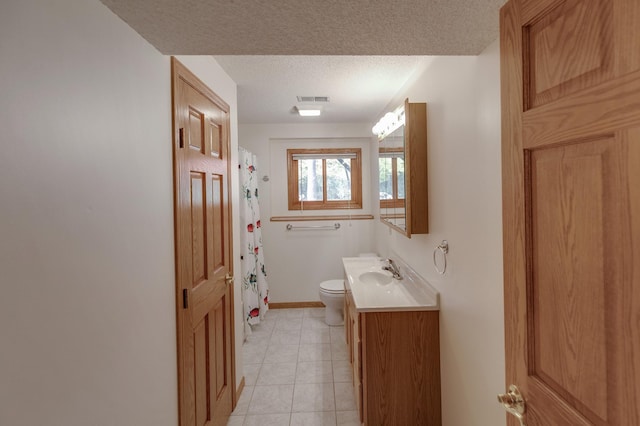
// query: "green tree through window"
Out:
[324,179]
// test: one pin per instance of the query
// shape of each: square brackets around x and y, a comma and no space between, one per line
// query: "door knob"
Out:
[514,403]
[229,279]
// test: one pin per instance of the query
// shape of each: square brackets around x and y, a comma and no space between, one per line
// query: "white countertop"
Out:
[411,293]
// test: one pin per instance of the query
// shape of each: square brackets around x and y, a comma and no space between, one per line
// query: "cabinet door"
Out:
[401,368]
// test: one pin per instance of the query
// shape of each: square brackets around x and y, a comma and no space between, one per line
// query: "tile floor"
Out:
[297,372]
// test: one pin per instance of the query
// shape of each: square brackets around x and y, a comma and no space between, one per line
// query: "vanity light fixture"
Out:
[388,123]
[309,111]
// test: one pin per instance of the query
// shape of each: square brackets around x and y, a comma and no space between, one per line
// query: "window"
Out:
[321,179]
[391,168]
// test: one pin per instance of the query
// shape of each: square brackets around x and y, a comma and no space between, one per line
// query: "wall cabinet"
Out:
[403,172]
[395,358]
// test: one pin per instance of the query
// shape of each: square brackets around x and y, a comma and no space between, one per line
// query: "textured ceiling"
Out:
[307,36]
[313,27]
[358,87]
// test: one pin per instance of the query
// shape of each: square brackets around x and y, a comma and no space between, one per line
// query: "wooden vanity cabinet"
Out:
[396,365]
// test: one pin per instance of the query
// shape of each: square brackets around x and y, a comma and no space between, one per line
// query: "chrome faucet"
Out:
[393,268]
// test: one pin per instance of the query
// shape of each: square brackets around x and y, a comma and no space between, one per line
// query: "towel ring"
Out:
[444,248]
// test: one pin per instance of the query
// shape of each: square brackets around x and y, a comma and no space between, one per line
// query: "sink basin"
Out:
[375,278]
[375,290]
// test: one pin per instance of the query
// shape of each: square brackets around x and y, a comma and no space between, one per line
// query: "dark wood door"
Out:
[203,251]
[571,208]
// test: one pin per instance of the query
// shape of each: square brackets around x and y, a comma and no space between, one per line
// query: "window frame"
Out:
[293,180]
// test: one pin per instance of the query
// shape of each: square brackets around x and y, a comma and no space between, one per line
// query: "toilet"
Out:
[332,295]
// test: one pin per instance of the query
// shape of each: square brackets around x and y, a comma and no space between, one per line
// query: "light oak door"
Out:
[571,209]
[203,251]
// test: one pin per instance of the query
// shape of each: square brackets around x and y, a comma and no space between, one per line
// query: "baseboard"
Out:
[238,393]
[290,305]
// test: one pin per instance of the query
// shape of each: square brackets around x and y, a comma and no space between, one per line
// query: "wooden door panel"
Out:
[624,252]
[627,34]
[217,214]
[220,349]
[221,378]
[570,314]
[568,48]
[198,229]
[201,371]
[203,252]
[215,136]
[571,208]
[196,126]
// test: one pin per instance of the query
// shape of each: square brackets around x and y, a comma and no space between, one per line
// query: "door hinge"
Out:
[181,137]
[185,298]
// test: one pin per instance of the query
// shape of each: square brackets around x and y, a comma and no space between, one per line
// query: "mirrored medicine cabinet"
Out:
[402,166]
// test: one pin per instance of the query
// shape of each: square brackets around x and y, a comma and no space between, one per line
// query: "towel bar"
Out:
[333,227]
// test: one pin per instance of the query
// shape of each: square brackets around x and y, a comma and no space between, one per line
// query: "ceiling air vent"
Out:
[313,98]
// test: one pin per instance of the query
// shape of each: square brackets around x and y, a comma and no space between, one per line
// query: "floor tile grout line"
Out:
[332,343]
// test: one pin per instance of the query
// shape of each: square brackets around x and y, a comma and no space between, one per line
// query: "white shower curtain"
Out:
[254,276]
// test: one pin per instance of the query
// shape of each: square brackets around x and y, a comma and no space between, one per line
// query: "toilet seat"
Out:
[332,286]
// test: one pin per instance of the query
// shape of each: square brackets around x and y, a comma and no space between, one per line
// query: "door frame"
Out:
[180,72]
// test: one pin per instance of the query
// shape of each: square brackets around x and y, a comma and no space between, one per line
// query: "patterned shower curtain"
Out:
[254,276]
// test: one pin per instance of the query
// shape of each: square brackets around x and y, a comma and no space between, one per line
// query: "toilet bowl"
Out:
[332,295]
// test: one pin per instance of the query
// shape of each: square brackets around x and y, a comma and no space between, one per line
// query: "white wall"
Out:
[463,110]
[297,261]
[87,312]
